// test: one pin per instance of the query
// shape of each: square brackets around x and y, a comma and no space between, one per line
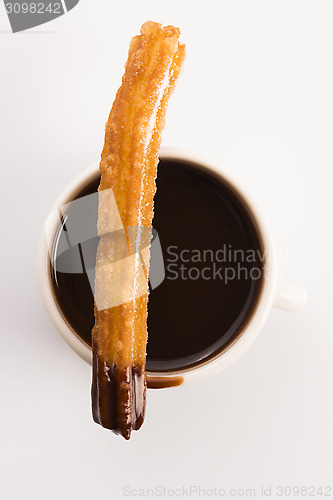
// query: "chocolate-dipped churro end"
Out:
[118,397]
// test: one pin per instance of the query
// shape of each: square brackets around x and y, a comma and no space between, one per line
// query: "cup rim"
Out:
[223,358]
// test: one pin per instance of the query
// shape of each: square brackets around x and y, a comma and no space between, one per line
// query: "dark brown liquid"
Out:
[191,316]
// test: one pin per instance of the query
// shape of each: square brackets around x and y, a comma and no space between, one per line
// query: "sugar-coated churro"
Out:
[128,167]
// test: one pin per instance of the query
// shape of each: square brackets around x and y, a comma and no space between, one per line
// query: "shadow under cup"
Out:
[207,245]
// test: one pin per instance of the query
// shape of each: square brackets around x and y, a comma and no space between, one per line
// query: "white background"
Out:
[255,93]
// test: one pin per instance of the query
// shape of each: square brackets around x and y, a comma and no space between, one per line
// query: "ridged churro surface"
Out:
[128,170]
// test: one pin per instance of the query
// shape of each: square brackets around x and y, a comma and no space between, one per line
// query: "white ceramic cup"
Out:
[272,293]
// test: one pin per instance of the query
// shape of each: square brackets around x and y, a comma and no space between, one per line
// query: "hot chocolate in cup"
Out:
[213,271]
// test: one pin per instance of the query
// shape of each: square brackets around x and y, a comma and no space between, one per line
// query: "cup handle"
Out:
[291,298]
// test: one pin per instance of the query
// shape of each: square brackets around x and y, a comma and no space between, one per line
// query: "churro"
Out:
[128,170]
